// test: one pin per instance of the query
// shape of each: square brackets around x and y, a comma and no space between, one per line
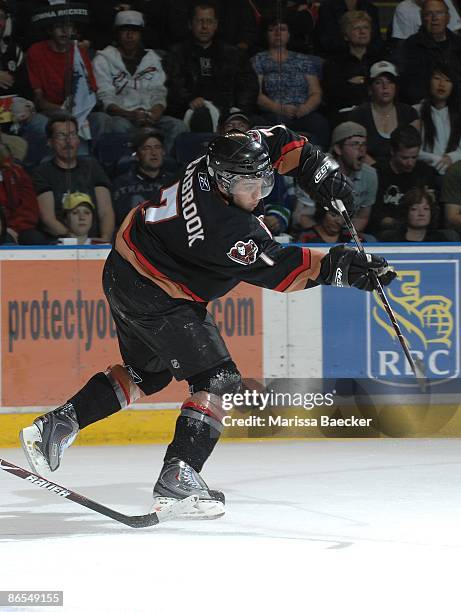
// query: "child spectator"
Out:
[78,210]
[441,120]
[418,220]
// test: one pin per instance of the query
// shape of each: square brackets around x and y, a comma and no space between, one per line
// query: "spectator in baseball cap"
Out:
[131,82]
[383,113]
[235,120]
[78,209]
[349,147]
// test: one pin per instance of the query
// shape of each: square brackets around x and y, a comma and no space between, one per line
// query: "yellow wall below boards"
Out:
[157,426]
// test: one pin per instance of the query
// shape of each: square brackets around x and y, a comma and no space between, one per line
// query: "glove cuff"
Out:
[335,273]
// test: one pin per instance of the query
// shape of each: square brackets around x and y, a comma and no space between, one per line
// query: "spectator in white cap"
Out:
[131,81]
[383,113]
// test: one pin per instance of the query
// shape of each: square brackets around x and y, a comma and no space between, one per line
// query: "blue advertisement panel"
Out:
[359,341]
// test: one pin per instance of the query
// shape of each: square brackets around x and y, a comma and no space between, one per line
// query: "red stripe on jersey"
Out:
[295,144]
[296,272]
[146,263]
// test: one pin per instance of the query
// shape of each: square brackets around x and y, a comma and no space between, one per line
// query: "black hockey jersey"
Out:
[196,246]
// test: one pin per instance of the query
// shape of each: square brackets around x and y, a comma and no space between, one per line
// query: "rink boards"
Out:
[57,331]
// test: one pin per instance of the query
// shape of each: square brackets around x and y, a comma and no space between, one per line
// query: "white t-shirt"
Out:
[441,120]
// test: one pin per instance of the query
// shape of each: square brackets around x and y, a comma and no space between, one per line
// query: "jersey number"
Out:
[168,207]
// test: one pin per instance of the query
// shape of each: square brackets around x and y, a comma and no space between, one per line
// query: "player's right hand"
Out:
[345,266]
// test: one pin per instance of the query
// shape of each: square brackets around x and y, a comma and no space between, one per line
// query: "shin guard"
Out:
[198,428]
[104,394]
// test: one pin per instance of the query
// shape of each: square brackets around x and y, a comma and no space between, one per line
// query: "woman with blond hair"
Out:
[345,76]
[328,30]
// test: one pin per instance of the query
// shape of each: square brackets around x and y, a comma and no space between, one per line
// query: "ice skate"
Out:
[45,441]
[178,480]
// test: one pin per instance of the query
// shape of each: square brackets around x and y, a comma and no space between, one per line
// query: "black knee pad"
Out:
[219,380]
[150,382]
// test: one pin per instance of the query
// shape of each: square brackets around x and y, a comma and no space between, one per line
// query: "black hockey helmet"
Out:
[240,158]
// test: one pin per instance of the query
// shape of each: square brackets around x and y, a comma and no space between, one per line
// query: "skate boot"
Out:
[178,480]
[45,441]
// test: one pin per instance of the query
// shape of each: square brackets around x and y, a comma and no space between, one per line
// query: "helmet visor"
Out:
[258,185]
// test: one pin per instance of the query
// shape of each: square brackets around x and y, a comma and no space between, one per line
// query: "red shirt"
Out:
[17,196]
[48,68]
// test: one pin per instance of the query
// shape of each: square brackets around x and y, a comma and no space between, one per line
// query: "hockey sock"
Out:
[198,428]
[95,401]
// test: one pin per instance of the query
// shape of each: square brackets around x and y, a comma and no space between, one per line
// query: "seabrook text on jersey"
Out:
[194,225]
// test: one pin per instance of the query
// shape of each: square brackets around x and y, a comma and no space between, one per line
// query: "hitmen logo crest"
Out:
[244,253]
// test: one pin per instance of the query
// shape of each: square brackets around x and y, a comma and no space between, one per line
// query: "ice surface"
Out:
[329,525]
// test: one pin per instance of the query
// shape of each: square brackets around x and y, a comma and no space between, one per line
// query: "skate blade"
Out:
[170,511]
[203,509]
[29,436]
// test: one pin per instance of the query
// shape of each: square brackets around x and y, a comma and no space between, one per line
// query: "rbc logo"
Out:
[424,298]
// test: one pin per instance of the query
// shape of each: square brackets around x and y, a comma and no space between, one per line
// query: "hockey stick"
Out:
[144,520]
[415,364]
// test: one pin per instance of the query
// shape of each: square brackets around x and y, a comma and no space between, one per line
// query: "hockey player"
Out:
[170,258]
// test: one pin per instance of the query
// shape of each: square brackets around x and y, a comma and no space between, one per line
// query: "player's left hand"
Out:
[322,179]
[331,188]
[345,266]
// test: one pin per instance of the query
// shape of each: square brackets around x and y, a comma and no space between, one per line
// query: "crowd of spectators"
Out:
[102,103]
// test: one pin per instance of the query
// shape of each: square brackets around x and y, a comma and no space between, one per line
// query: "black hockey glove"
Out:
[320,177]
[344,266]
